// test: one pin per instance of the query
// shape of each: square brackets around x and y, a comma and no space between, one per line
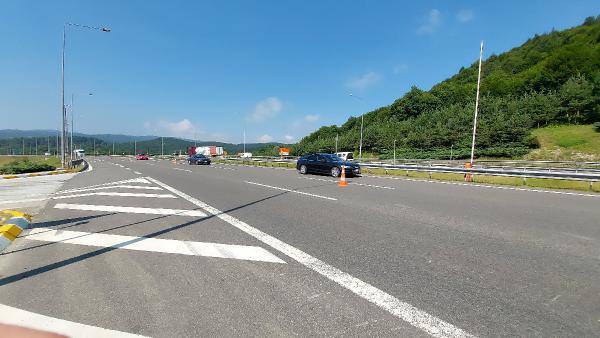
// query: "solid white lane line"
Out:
[132,210]
[294,191]
[490,186]
[410,314]
[120,186]
[187,170]
[127,168]
[137,172]
[117,194]
[351,183]
[244,252]
[14,316]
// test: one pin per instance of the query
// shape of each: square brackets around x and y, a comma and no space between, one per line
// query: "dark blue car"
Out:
[198,159]
[329,164]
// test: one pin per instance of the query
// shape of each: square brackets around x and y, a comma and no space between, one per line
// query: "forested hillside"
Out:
[553,78]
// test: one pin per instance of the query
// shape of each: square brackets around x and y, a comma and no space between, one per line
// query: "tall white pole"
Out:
[244,140]
[362,119]
[394,152]
[336,143]
[476,103]
[72,125]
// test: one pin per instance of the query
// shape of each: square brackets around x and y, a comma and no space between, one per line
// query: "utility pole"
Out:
[94,147]
[476,103]
[162,146]
[244,140]
[48,144]
[23,151]
[113,147]
[36,147]
[134,147]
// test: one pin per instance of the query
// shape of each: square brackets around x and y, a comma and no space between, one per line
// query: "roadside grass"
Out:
[27,164]
[567,143]
[497,180]
[477,179]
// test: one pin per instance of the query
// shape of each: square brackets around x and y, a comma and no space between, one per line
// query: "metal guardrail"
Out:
[590,174]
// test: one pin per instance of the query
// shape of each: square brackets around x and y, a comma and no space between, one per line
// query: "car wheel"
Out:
[335,172]
[303,169]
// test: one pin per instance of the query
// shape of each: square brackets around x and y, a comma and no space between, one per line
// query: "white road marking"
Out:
[294,191]
[490,186]
[117,194]
[127,168]
[14,316]
[352,183]
[120,186]
[186,170]
[134,180]
[137,172]
[410,314]
[244,252]
[132,210]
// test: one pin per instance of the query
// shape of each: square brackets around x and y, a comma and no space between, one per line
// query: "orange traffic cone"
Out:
[343,182]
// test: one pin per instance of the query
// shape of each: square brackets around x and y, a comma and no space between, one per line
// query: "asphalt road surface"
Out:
[170,250]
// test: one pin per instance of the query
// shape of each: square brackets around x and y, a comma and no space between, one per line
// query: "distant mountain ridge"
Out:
[117,138]
[18,142]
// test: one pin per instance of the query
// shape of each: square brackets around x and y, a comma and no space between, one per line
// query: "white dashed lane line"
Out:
[350,183]
[292,191]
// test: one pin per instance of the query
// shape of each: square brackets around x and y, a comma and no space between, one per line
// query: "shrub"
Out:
[25,166]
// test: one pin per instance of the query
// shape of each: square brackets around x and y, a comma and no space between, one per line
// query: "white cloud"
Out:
[183,129]
[265,138]
[312,118]
[265,109]
[432,21]
[288,138]
[401,68]
[364,81]
[464,15]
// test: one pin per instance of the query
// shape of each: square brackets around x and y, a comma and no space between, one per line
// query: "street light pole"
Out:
[63,141]
[476,104]
[63,160]
[362,120]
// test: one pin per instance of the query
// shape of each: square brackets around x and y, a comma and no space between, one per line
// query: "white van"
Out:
[345,155]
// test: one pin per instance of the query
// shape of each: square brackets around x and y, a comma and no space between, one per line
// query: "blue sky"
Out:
[280,69]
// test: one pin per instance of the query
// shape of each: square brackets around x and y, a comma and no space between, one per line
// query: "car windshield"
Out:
[331,157]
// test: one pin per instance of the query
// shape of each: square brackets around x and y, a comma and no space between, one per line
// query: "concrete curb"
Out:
[12,223]
[46,173]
